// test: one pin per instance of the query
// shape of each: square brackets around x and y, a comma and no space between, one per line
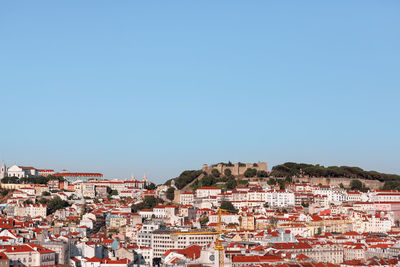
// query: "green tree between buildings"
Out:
[204,220]
[170,193]
[150,186]
[149,203]
[227,205]
[55,203]
[231,183]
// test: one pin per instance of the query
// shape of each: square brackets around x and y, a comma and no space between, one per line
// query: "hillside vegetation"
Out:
[291,169]
[184,178]
[297,169]
[224,180]
[288,169]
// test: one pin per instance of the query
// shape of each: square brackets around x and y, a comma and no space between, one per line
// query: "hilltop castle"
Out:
[237,169]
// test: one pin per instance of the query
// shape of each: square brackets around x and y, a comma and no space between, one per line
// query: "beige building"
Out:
[32,210]
[332,253]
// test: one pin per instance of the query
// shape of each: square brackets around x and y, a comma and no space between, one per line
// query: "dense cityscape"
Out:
[199,133]
[220,215]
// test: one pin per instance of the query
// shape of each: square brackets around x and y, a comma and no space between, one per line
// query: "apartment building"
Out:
[144,238]
[208,191]
[186,198]
[280,198]
[29,255]
[164,240]
[32,210]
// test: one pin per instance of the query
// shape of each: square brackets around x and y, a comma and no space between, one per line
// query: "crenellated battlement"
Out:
[237,169]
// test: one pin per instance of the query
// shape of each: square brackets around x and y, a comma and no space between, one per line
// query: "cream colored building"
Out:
[186,198]
[31,210]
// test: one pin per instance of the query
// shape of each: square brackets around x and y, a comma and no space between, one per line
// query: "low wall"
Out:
[15,186]
[372,184]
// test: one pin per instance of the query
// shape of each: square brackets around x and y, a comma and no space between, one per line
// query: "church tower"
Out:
[3,171]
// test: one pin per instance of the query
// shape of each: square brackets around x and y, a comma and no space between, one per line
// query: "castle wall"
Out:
[235,169]
[373,184]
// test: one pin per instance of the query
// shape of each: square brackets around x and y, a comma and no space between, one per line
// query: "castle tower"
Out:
[144,178]
[3,170]
[133,177]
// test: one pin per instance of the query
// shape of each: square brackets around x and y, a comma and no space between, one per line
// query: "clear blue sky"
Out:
[163,86]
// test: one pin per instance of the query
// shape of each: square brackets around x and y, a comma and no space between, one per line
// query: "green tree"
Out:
[319,231]
[185,178]
[150,186]
[56,203]
[244,182]
[204,220]
[208,180]
[10,180]
[113,192]
[250,172]
[304,204]
[108,189]
[170,193]
[262,174]
[356,185]
[215,173]
[231,184]
[4,192]
[227,205]
[273,221]
[150,202]
[227,172]
[28,202]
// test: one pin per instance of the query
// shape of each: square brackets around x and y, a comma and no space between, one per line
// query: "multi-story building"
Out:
[45,172]
[164,240]
[145,233]
[62,250]
[31,210]
[22,172]
[280,198]
[303,198]
[208,191]
[79,176]
[29,255]
[186,198]
[326,252]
